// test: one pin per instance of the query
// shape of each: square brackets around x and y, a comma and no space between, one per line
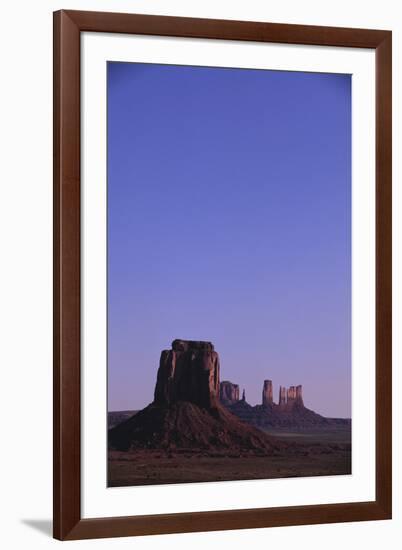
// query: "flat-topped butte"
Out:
[185,345]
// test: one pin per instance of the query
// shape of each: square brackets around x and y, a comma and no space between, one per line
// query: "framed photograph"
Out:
[222,274]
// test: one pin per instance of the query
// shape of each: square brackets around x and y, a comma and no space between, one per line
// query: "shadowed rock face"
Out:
[229,393]
[188,372]
[299,395]
[185,345]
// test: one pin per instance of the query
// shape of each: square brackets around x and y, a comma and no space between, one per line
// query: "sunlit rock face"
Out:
[267,393]
[229,393]
[282,397]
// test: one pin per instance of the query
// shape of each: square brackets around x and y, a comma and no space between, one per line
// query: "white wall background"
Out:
[26,269]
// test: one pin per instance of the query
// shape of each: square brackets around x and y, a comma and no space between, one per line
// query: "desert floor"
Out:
[320,453]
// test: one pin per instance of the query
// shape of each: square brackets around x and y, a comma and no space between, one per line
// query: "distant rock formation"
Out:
[186,412]
[291,395]
[117,417]
[288,397]
[229,393]
[282,397]
[289,413]
[299,395]
[267,395]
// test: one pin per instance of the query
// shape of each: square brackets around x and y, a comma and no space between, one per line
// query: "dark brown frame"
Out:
[68,523]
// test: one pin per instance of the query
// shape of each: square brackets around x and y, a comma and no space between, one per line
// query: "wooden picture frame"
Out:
[68,523]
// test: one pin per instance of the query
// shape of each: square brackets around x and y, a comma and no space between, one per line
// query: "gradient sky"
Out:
[229,220]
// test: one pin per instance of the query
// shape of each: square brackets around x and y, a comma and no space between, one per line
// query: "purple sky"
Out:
[229,206]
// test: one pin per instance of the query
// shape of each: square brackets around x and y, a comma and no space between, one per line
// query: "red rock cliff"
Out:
[229,392]
[299,395]
[188,372]
[282,396]
[267,395]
